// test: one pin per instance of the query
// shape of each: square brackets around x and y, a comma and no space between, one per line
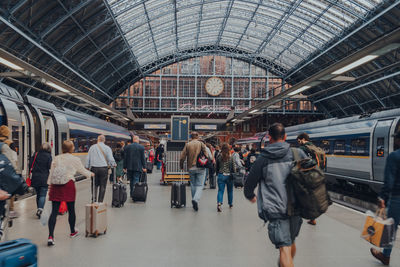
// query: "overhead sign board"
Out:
[155,126]
[205,127]
[180,128]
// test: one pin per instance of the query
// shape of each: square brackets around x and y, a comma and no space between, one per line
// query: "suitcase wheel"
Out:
[96,234]
[105,231]
[87,234]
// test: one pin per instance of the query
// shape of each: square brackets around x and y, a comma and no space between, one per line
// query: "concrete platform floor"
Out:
[153,234]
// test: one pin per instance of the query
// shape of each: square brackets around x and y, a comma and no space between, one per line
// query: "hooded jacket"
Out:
[269,172]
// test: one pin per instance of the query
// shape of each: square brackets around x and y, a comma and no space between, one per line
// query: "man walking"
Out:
[390,195]
[270,172]
[100,160]
[197,174]
[134,162]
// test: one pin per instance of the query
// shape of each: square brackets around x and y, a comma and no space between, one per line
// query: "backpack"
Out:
[307,183]
[202,160]
[118,155]
[10,181]
[318,154]
[58,172]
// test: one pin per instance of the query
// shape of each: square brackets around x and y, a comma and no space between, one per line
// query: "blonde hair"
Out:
[68,146]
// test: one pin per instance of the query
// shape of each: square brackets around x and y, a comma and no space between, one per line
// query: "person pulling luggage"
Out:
[62,186]
[134,162]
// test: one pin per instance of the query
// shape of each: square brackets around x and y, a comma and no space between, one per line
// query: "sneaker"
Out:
[13,214]
[219,208]
[50,241]
[195,205]
[74,234]
[312,222]
[230,206]
[39,213]
[379,256]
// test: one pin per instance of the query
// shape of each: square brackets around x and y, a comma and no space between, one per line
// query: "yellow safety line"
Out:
[344,156]
[79,154]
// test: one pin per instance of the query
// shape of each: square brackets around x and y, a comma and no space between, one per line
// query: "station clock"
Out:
[214,86]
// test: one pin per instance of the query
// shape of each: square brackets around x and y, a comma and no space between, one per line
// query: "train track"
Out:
[352,202]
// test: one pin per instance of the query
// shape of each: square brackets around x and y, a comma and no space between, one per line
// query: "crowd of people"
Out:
[267,169]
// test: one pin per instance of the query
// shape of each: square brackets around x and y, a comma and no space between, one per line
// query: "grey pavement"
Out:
[153,234]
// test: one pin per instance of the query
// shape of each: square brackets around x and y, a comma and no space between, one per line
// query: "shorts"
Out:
[283,232]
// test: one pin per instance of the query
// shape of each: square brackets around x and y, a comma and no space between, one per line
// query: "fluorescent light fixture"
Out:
[246,118]
[233,120]
[301,89]
[355,64]
[253,111]
[10,64]
[106,109]
[57,87]
[126,119]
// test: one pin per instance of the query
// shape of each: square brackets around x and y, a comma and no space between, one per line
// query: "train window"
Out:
[325,145]
[380,147]
[339,147]
[15,137]
[397,129]
[82,144]
[63,137]
[359,146]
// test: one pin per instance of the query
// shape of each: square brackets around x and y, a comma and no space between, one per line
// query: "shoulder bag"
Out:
[105,158]
[29,179]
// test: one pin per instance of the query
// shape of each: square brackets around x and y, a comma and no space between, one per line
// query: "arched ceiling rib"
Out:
[283,31]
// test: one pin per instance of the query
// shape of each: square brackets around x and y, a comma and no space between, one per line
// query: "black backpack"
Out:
[307,183]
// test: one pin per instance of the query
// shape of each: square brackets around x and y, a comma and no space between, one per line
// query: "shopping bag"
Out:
[378,230]
[28,181]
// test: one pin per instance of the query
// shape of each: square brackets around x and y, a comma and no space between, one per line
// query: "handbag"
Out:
[378,230]
[29,179]
[109,171]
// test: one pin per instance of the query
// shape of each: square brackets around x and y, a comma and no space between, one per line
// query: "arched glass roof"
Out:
[285,32]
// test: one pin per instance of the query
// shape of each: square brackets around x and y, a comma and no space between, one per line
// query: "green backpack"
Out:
[307,184]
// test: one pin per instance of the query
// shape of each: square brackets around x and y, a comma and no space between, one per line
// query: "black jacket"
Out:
[41,168]
[134,159]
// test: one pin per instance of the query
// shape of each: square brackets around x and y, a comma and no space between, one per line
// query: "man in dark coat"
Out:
[134,162]
[390,195]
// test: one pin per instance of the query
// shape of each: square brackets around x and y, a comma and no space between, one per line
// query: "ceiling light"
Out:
[10,64]
[126,119]
[253,111]
[57,87]
[233,120]
[355,64]
[106,109]
[301,89]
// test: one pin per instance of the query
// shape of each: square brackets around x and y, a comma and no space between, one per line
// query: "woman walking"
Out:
[62,186]
[40,166]
[225,168]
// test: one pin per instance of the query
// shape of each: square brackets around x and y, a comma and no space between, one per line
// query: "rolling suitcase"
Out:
[18,253]
[140,190]
[238,179]
[178,194]
[213,181]
[96,218]
[149,166]
[119,194]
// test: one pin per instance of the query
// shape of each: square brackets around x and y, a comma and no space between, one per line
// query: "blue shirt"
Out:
[95,157]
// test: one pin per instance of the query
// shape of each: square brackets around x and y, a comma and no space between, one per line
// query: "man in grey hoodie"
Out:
[270,172]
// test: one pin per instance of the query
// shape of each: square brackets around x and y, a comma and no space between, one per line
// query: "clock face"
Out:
[214,86]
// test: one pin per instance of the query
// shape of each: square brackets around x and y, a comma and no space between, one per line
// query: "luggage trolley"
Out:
[171,169]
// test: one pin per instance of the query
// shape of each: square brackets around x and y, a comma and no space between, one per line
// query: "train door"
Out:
[395,129]
[380,148]
[24,143]
[49,132]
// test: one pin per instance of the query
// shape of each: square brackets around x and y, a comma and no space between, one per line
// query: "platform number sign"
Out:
[180,128]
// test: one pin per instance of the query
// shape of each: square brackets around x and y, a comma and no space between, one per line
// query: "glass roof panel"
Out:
[282,31]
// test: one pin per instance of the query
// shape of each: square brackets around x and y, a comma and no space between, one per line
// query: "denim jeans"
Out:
[158,165]
[134,178]
[41,193]
[222,181]
[197,178]
[393,212]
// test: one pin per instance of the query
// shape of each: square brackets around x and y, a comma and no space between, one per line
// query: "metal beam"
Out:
[150,29]
[358,86]
[250,21]
[198,24]
[278,25]
[134,58]
[64,18]
[176,25]
[308,61]
[221,30]
[16,29]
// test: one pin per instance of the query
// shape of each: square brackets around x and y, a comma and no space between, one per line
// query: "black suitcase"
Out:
[238,179]
[213,181]
[178,195]
[140,190]
[119,194]
[149,166]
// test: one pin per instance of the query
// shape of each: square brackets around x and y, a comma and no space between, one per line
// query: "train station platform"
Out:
[153,234]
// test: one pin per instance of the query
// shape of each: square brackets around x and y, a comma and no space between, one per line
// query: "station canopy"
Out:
[103,47]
